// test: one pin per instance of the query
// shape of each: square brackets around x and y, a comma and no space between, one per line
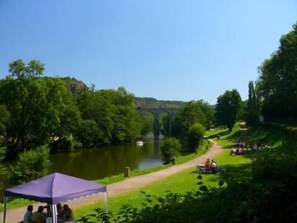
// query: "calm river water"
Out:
[106,161]
[97,163]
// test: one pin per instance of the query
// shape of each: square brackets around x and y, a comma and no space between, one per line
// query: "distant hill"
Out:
[154,103]
[77,86]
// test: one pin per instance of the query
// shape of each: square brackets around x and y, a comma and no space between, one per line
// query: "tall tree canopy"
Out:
[189,114]
[110,114]
[227,108]
[277,83]
[37,106]
[208,111]
[253,106]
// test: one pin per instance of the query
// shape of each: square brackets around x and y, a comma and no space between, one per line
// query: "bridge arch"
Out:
[156,112]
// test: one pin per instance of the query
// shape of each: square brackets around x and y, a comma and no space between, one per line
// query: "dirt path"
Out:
[130,184]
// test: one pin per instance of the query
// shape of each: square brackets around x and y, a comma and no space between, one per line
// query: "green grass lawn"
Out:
[179,183]
[182,182]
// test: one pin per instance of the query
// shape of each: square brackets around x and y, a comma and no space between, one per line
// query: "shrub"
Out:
[195,136]
[169,149]
[30,165]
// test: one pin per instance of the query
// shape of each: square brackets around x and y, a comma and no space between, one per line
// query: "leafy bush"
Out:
[195,136]
[169,149]
[30,165]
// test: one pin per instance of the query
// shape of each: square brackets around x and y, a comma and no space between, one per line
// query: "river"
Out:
[106,161]
[97,163]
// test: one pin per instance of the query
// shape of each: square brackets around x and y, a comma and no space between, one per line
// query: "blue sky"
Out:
[166,49]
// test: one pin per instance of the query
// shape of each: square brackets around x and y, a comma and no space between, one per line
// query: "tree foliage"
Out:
[165,123]
[227,108]
[195,136]
[35,109]
[114,114]
[3,169]
[147,122]
[4,119]
[170,148]
[277,83]
[253,106]
[30,165]
[208,111]
[189,114]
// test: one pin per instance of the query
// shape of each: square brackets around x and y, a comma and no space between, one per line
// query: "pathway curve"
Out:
[130,184]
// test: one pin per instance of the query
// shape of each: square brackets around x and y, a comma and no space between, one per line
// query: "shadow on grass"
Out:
[238,173]
[230,146]
[235,135]
[265,135]
[219,134]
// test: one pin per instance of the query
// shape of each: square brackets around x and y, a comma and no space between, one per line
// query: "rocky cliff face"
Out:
[74,85]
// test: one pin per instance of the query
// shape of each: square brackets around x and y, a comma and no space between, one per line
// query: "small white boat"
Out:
[139,143]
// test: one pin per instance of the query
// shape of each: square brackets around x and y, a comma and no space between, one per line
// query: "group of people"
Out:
[260,147]
[243,147]
[237,151]
[211,166]
[40,216]
[208,167]
[240,149]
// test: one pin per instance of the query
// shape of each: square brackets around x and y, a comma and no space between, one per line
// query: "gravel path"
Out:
[130,184]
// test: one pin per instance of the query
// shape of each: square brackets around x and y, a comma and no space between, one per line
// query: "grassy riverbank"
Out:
[179,183]
[238,167]
[15,203]
[247,170]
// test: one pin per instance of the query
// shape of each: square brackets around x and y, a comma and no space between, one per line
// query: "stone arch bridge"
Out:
[157,113]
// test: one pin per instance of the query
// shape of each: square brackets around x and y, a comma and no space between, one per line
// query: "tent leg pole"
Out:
[106,201]
[54,213]
[4,209]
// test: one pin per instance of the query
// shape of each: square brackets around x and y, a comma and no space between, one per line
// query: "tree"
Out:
[227,108]
[169,149]
[253,109]
[277,83]
[190,114]
[88,133]
[96,106]
[195,136]
[165,123]
[114,113]
[19,70]
[147,122]
[3,169]
[127,125]
[36,106]
[208,111]
[4,120]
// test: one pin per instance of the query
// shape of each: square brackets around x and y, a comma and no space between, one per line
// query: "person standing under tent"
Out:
[28,214]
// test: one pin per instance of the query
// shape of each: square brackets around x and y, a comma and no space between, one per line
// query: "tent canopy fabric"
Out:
[55,188]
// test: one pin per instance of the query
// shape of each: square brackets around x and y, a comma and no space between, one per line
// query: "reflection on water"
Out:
[147,163]
[106,161]
[98,163]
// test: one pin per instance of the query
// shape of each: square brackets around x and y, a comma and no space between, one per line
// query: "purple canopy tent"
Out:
[53,189]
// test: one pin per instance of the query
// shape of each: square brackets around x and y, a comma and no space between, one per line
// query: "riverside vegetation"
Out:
[258,188]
